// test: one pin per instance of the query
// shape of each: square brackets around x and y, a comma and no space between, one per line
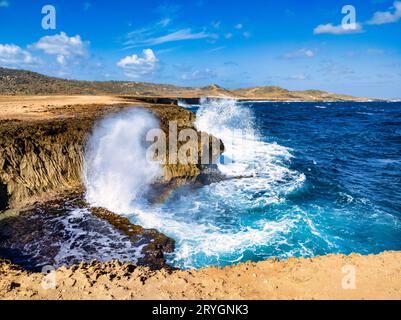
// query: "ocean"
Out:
[302,179]
[321,178]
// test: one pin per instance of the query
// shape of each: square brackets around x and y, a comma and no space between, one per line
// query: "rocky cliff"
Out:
[39,159]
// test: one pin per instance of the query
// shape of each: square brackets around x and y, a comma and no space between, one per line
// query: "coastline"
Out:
[319,278]
[378,276]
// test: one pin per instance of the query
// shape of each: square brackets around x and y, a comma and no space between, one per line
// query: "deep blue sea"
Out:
[327,179]
[303,179]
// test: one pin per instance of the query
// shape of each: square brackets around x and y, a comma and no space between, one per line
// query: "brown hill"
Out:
[21,82]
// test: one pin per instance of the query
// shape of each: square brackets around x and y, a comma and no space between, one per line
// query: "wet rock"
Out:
[156,243]
[67,231]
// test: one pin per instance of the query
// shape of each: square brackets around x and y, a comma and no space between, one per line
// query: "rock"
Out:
[41,159]
[157,243]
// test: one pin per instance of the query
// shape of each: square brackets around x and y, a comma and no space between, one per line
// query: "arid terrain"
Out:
[376,277]
[39,129]
[19,82]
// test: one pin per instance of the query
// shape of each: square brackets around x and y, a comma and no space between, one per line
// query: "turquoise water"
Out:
[324,178]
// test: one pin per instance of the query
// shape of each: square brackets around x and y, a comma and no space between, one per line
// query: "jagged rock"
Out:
[36,237]
[40,159]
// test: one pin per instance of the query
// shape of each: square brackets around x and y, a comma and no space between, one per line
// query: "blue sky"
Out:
[294,44]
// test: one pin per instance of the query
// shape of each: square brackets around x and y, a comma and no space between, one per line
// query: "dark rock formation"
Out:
[156,243]
[54,233]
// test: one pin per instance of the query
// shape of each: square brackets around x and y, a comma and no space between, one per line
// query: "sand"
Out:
[50,107]
[327,277]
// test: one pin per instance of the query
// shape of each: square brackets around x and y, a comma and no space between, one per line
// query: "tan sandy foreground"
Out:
[328,277]
[49,107]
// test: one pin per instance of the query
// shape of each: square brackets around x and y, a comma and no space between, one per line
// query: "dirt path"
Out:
[328,277]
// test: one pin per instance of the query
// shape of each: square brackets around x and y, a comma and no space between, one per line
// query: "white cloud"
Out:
[61,60]
[180,35]
[147,31]
[13,55]
[228,35]
[165,22]
[337,30]
[136,67]
[334,69]
[199,74]
[216,49]
[239,26]
[62,46]
[390,16]
[301,53]
[247,34]
[298,77]
[4,4]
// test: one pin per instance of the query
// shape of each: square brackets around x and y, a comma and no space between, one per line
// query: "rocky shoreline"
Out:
[376,277]
[49,233]
[41,151]
[42,157]
[41,178]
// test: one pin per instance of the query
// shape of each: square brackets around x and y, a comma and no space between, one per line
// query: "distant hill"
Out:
[21,82]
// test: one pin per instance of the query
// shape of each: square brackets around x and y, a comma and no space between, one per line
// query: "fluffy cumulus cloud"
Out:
[62,46]
[301,53]
[337,29]
[136,67]
[12,55]
[391,16]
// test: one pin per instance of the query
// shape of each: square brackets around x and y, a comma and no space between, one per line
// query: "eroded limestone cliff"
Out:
[39,159]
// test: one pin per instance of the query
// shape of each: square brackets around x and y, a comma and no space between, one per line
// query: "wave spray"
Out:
[117,172]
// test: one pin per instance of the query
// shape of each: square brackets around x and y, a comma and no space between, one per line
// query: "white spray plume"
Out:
[116,170]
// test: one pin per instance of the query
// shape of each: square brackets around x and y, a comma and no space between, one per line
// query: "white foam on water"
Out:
[117,172]
[246,154]
[208,224]
[109,243]
[78,236]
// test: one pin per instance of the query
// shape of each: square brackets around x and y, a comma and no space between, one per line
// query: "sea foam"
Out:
[117,172]
[212,225]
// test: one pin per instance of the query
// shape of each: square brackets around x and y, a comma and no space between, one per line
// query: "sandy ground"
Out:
[49,107]
[328,277]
